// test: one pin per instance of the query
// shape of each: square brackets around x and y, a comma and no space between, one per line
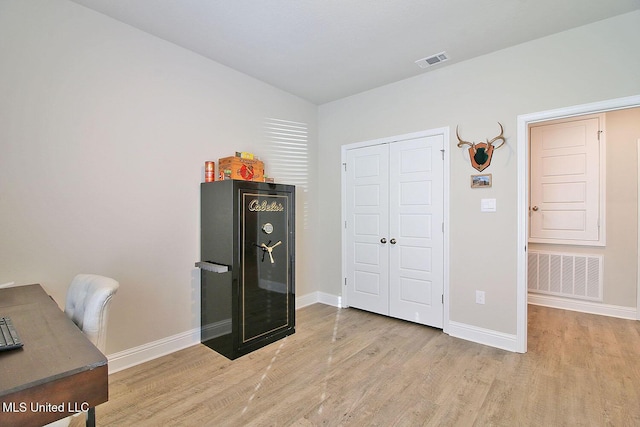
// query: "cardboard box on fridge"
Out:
[242,169]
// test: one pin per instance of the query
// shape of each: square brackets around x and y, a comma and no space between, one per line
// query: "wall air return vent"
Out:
[432,60]
[570,275]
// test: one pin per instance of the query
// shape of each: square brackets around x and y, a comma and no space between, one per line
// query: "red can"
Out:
[209,171]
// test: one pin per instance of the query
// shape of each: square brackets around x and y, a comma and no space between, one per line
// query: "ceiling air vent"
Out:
[432,60]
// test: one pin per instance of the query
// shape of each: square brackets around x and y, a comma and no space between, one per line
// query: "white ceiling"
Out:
[323,50]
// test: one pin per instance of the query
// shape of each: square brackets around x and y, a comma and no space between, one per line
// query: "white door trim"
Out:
[446,179]
[523,195]
[638,237]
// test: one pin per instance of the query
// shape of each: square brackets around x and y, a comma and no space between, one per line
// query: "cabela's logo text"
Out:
[263,206]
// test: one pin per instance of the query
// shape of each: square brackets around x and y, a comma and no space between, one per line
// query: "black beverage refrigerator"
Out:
[247,263]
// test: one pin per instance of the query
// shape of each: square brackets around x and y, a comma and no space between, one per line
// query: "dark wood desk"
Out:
[57,369]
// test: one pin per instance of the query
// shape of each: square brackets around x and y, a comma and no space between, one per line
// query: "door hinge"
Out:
[443,227]
[443,298]
[345,224]
[345,281]
[345,166]
[442,152]
[599,133]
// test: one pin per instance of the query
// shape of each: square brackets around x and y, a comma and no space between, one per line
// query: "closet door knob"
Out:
[383,240]
[535,209]
[393,241]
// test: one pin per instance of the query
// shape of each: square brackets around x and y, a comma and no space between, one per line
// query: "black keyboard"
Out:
[9,338]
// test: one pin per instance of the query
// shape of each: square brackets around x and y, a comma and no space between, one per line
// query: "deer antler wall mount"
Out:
[480,153]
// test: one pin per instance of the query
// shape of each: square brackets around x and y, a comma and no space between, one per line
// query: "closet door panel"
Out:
[416,208]
[367,198]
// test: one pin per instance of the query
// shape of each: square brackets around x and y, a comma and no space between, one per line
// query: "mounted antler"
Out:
[490,143]
[480,154]
[462,142]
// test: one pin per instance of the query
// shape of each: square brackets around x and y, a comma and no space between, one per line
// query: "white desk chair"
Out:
[88,300]
[87,305]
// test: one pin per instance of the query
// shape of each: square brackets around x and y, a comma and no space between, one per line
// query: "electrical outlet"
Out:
[479,297]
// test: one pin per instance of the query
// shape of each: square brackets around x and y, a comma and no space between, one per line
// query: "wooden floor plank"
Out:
[349,367]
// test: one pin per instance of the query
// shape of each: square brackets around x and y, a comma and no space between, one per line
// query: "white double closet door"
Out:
[394,240]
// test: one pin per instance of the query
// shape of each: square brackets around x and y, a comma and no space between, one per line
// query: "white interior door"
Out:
[565,182]
[416,261]
[394,238]
[367,249]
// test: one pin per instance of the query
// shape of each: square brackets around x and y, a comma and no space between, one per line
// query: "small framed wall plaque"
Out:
[481,181]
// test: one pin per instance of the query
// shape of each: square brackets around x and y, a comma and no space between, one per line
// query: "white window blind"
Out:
[287,154]
[287,151]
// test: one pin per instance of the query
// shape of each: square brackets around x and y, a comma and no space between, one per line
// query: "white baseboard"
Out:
[306,300]
[146,352]
[583,306]
[483,336]
[321,297]
[329,299]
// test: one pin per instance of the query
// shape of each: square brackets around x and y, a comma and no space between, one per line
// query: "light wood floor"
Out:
[349,367]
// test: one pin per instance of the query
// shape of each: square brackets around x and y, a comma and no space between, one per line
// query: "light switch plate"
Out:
[488,205]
